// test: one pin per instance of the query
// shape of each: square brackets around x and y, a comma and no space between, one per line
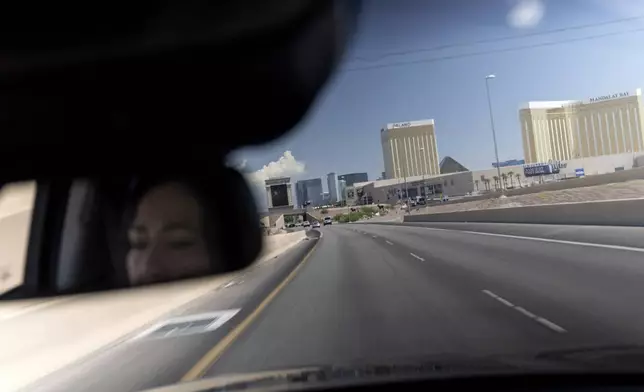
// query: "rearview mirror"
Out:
[63,236]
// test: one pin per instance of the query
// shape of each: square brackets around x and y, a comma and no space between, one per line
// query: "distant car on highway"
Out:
[316,225]
[306,224]
[328,220]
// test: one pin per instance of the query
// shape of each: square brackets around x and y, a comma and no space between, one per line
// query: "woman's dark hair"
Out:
[206,196]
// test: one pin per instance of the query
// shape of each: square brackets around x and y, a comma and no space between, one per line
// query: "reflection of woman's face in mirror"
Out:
[167,236]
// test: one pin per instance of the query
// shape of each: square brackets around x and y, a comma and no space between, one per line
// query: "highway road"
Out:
[378,294]
[381,294]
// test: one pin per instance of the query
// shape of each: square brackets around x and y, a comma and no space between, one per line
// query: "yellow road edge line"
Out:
[209,359]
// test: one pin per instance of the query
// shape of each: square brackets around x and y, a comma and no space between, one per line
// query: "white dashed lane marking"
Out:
[389,242]
[545,322]
[418,257]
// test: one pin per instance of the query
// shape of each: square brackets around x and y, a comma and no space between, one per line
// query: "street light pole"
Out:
[496,150]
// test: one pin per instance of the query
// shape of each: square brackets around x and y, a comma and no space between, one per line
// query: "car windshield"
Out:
[464,197]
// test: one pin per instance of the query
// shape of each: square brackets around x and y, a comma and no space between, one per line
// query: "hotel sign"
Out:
[408,124]
[401,125]
[608,97]
[540,169]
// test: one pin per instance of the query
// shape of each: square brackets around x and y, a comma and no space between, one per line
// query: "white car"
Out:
[316,225]
[328,220]
[306,224]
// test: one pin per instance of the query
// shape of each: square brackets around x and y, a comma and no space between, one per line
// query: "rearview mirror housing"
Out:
[102,233]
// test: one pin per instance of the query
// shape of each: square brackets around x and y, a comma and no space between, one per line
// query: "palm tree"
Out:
[496,182]
[511,175]
[476,182]
[519,179]
[505,180]
[484,181]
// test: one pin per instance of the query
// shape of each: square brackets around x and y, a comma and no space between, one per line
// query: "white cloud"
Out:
[285,166]
[526,14]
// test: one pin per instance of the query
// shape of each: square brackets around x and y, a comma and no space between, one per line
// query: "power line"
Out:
[482,53]
[492,40]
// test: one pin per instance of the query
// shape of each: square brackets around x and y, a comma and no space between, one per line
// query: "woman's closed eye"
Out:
[181,243]
[179,237]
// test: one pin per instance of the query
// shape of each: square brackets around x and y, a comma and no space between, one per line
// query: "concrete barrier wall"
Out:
[603,213]
[275,244]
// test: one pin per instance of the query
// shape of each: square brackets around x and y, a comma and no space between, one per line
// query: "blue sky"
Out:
[341,132]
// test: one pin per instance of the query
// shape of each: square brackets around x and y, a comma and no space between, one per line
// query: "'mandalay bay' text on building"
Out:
[602,125]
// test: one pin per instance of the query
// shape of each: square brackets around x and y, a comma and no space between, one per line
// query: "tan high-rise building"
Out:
[410,149]
[562,130]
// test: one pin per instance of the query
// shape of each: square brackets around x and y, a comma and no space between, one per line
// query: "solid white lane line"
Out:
[519,237]
[418,257]
[545,322]
[389,242]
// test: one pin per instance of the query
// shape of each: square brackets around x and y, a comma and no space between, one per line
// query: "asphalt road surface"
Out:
[380,294]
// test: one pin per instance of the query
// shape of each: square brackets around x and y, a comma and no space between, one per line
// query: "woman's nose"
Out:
[152,263]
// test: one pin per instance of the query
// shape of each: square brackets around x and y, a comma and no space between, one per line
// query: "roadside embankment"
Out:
[275,244]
